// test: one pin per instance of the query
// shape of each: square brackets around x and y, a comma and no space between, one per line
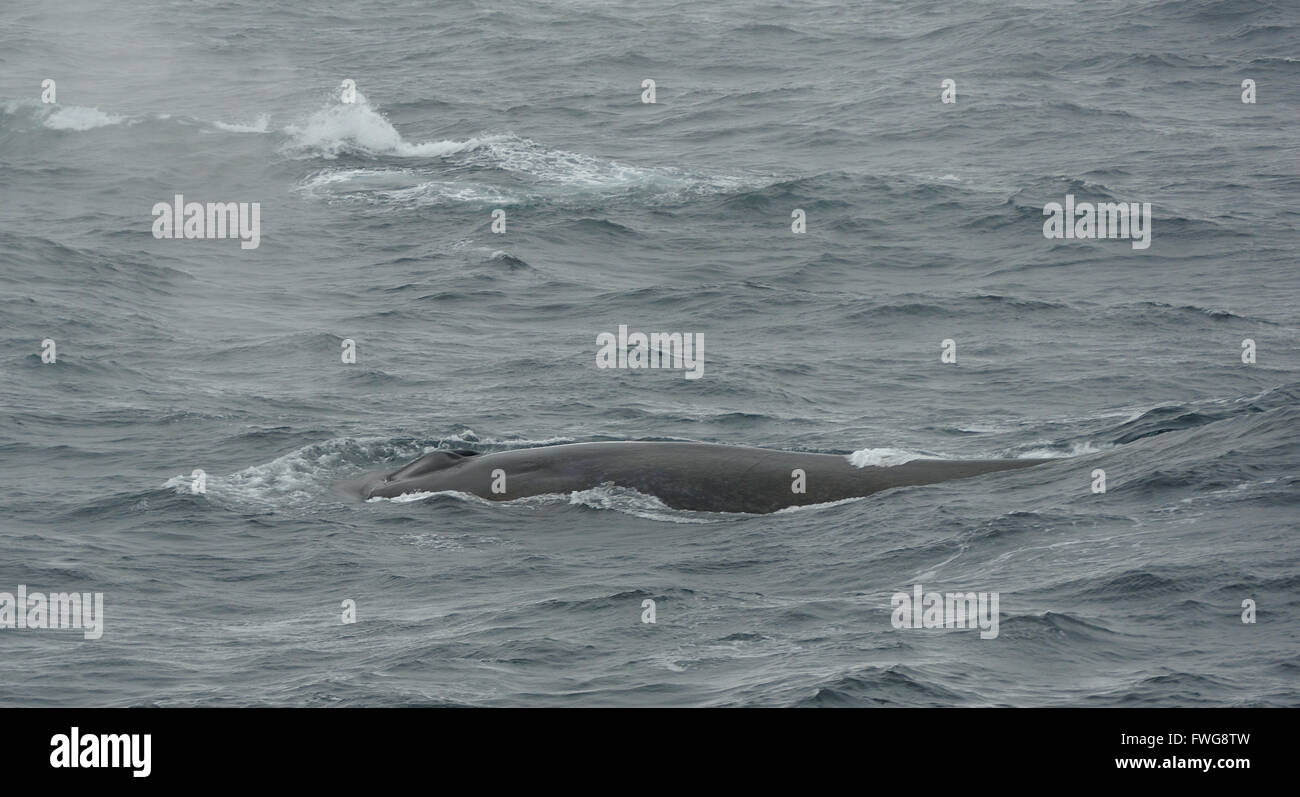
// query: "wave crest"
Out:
[358,128]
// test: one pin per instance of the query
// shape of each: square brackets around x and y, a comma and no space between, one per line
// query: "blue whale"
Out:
[704,477]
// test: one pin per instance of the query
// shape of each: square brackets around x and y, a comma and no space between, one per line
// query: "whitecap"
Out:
[78,118]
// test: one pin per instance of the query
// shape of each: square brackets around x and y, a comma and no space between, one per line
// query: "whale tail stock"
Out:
[931,471]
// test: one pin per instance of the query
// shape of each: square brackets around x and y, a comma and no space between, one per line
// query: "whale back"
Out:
[430,462]
[683,475]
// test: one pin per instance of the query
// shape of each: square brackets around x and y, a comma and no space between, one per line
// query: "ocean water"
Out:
[924,223]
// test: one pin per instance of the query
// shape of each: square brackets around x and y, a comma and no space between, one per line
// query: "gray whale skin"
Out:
[704,477]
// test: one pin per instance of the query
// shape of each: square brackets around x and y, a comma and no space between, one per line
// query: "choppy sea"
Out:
[924,223]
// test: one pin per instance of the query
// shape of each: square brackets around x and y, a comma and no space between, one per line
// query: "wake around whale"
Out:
[704,477]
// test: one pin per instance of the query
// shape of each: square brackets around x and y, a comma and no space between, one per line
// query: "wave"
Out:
[407,188]
[78,118]
[489,169]
[892,685]
[504,170]
[357,128]
[1047,449]
[497,169]
[260,124]
[74,117]
[940,305]
[1178,417]
[63,117]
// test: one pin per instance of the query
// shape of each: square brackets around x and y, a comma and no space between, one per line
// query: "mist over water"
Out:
[924,223]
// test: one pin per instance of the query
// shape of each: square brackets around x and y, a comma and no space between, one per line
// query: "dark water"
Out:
[924,222]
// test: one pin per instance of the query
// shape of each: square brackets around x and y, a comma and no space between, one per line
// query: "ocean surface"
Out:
[924,222]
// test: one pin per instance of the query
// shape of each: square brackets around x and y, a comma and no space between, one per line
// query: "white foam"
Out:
[406,498]
[545,441]
[633,502]
[76,117]
[882,457]
[12,106]
[296,478]
[548,175]
[1044,452]
[823,505]
[982,429]
[524,156]
[436,192]
[258,125]
[340,127]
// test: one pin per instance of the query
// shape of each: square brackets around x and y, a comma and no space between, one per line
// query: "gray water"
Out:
[924,223]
